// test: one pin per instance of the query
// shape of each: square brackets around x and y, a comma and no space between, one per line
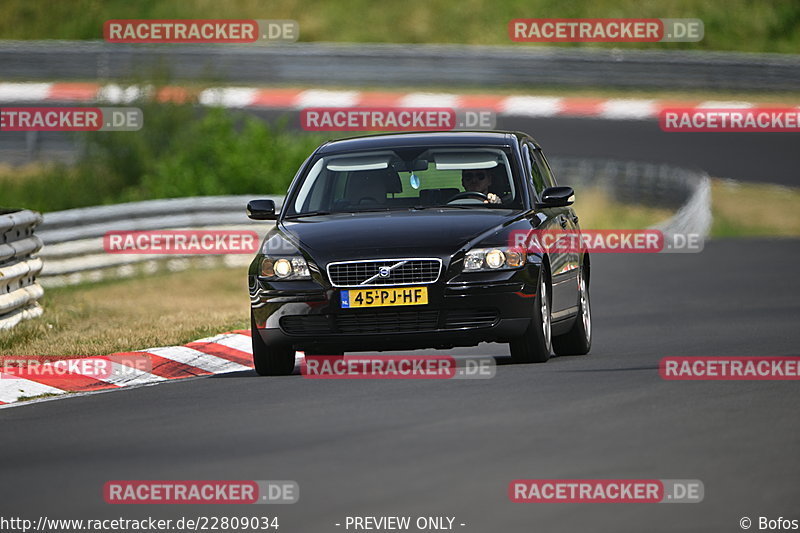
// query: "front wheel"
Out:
[535,344]
[578,340]
[270,360]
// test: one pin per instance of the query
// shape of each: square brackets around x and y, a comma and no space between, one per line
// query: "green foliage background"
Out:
[180,151]
[745,25]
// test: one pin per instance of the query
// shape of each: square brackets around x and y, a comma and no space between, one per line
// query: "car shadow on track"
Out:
[499,360]
[628,369]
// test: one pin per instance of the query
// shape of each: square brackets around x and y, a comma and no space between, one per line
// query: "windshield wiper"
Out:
[308,214]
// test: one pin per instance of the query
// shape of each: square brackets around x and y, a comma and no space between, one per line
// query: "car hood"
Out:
[428,233]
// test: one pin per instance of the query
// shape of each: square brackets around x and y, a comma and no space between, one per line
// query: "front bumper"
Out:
[462,311]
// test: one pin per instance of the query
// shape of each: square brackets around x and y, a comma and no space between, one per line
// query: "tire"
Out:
[270,360]
[535,344]
[578,340]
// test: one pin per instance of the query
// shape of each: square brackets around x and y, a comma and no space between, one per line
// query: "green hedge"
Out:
[180,151]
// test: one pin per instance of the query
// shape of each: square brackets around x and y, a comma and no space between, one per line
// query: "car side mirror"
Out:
[557,197]
[261,210]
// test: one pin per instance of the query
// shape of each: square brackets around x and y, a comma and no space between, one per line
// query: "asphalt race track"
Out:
[757,157]
[450,448]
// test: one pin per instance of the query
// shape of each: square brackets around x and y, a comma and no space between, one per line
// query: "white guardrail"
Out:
[73,239]
[370,64]
[688,191]
[19,292]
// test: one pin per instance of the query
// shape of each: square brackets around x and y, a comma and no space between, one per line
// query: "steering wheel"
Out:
[468,194]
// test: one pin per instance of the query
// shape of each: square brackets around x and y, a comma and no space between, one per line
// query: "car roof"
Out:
[427,138]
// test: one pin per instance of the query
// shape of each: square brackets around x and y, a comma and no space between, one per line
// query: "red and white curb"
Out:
[295,99]
[221,354]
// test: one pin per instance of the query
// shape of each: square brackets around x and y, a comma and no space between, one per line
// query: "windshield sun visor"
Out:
[465,160]
[353,164]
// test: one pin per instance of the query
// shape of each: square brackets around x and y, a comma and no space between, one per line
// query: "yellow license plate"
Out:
[384,297]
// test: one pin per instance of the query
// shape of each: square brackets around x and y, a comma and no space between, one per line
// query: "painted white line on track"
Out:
[429,100]
[324,98]
[11,388]
[628,109]
[243,343]
[24,92]
[228,96]
[531,106]
[122,376]
[196,358]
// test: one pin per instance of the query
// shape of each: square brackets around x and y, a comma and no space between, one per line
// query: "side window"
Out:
[536,170]
[549,178]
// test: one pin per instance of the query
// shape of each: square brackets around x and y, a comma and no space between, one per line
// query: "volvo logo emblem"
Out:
[384,272]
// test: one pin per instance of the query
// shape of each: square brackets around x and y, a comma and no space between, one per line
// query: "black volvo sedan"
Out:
[407,241]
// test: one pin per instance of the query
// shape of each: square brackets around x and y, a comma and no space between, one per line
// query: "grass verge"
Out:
[598,211]
[754,210]
[118,316]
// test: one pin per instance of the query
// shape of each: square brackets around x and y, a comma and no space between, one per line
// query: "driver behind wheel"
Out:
[478,180]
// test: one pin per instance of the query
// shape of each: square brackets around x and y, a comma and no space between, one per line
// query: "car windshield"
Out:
[455,177]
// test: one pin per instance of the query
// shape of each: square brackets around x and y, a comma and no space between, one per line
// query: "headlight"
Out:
[282,260]
[284,268]
[493,259]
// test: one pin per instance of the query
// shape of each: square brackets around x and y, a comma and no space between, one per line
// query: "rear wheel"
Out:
[578,340]
[535,344]
[270,360]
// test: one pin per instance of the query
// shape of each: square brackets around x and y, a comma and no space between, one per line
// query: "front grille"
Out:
[401,272]
[307,324]
[387,322]
[471,318]
[383,322]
